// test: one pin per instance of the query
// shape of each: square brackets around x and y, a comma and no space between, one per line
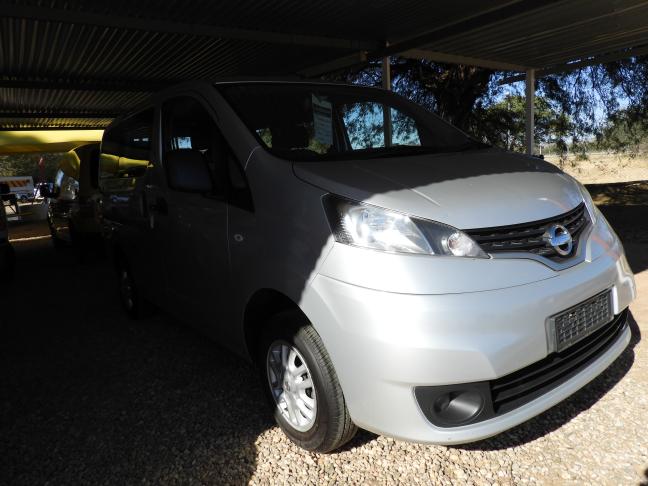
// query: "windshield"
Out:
[328,122]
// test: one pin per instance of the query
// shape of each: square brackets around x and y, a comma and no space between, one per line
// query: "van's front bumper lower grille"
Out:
[516,389]
[528,237]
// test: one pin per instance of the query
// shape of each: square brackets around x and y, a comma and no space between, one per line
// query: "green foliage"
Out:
[606,104]
[27,165]
[503,124]
[625,132]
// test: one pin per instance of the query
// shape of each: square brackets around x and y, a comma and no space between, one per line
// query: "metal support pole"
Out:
[529,141]
[386,84]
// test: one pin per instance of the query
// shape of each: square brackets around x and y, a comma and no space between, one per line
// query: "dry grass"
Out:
[602,167]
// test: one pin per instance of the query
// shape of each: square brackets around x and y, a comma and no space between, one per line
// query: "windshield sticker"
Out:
[322,120]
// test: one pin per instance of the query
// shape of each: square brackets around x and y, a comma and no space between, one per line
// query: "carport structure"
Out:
[78,64]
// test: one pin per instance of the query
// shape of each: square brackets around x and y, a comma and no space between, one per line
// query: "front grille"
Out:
[522,386]
[527,237]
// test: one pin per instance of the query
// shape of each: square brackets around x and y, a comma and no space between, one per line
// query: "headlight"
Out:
[589,203]
[367,226]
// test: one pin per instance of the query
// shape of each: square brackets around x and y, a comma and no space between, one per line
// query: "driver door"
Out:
[194,226]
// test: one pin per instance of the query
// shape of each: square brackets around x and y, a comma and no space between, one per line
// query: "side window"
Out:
[126,152]
[188,126]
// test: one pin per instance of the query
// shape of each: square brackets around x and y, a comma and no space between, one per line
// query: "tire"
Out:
[129,294]
[329,426]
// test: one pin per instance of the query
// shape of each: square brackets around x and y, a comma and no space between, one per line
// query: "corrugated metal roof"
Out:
[32,123]
[556,34]
[80,62]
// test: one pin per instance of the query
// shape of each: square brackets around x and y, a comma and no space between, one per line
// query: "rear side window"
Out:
[126,152]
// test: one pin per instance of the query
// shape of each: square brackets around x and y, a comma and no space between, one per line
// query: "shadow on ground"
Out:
[625,205]
[88,396]
[620,193]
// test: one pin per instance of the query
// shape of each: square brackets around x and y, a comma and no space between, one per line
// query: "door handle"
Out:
[160,206]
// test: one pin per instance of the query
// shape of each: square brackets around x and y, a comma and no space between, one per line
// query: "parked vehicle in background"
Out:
[21,186]
[383,269]
[73,198]
[7,257]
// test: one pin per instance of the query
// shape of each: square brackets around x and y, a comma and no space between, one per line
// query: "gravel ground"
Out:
[89,397]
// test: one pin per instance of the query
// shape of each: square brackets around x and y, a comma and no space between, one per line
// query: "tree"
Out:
[452,91]
[502,123]
[27,165]
[579,103]
[624,132]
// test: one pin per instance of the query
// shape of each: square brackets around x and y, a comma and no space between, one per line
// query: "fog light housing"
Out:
[455,405]
[458,407]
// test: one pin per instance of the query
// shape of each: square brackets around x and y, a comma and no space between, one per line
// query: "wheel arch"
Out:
[263,305]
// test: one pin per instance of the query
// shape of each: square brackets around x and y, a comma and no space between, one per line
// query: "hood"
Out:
[467,190]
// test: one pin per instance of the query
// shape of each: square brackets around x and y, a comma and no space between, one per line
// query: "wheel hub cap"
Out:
[291,385]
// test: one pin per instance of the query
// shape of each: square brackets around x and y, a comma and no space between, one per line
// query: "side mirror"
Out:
[187,171]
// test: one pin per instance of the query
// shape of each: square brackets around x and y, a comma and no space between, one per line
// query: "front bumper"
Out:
[385,344]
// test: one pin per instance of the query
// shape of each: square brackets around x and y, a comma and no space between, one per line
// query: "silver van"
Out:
[382,269]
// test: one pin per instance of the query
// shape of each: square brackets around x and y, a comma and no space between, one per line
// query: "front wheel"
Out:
[302,386]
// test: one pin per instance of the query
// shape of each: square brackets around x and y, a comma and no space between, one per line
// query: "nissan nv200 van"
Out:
[382,269]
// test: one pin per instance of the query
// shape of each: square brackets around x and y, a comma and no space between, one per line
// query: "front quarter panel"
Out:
[282,244]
